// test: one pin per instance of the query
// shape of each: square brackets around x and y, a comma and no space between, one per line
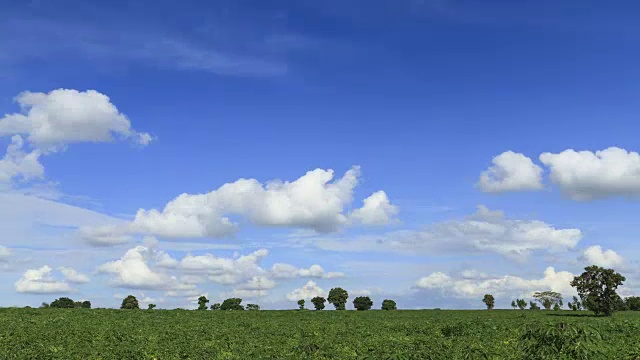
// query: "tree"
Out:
[253,307]
[44,305]
[63,303]
[575,305]
[522,304]
[318,302]
[215,306]
[202,302]
[77,304]
[548,299]
[301,304]
[633,303]
[86,304]
[232,304]
[130,302]
[556,307]
[597,289]
[362,303]
[489,301]
[514,305]
[151,306]
[533,306]
[338,297]
[389,305]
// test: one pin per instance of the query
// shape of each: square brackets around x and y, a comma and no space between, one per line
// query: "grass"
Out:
[181,334]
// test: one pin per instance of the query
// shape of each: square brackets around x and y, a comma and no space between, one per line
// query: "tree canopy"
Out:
[232,304]
[202,302]
[362,303]
[130,302]
[389,305]
[548,299]
[318,302]
[597,289]
[338,297]
[489,301]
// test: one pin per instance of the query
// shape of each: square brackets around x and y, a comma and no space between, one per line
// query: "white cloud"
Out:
[594,255]
[511,172]
[225,270]
[512,286]
[585,175]
[107,235]
[287,271]
[133,271]
[73,276]
[5,253]
[308,291]
[258,283]
[484,231]
[53,120]
[18,164]
[377,210]
[40,281]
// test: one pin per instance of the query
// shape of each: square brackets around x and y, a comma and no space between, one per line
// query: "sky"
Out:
[425,151]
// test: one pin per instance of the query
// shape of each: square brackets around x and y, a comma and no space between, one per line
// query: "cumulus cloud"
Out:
[485,231]
[507,285]
[226,271]
[133,271]
[16,163]
[314,201]
[40,281]
[51,121]
[308,291]
[377,210]
[287,271]
[594,255]
[73,276]
[511,172]
[585,175]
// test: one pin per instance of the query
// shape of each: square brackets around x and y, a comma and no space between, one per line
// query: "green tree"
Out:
[575,305]
[44,305]
[556,307]
[548,299]
[253,307]
[232,304]
[86,304]
[63,303]
[533,306]
[338,297]
[151,306]
[389,305]
[633,303]
[318,302]
[130,302]
[77,304]
[362,303]
[489,301]
[522,304]
[597,289]
[215,306]
[202,302]
[301,304]
[514,305]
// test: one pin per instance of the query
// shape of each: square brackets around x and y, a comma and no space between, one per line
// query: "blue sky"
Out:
[112,110]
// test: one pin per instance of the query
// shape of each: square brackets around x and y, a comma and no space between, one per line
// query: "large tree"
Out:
[202,302]
[215,306]
[362,303]
[151,306]
[633,303]
[522,304]
[548,299]
[232,304]
[389,305]
[253,307]
[575,305]
[318,302]
[130,302]
[597,289]
[63,302]
[86,304]
[338,297]
[301,304]
[489,301]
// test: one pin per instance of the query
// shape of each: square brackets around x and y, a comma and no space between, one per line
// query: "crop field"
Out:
[419,334]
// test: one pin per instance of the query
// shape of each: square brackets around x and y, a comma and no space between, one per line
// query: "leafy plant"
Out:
[597,289]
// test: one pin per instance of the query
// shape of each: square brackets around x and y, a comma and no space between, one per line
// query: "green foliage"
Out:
[597,289]
[514,305]
[44,305]
[533,306]
[215,306]
[63,303]
[129,303]
[86,304]
[318,302]
[338,297]
[522,304]
[202,302]
[556,307]
[548,299]
[232,304]
[253,307]
[489,301]
[362,303]
[575,305]
[389,305]
[301,304]
[151,306]
[632,303]
[560,341]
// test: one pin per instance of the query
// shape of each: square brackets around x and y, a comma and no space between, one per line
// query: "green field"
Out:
[181,334]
